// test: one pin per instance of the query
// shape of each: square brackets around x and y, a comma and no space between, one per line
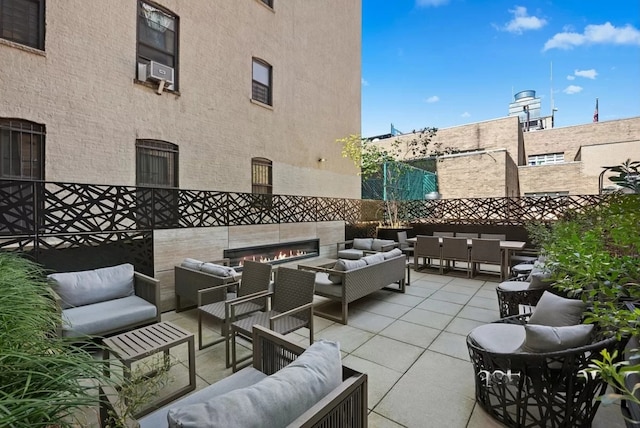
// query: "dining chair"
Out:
[427,247]
[498,236]
[291,308]
[406,248]
[214,302]
[486,251]
[450,234]
[468,235]
[455,249]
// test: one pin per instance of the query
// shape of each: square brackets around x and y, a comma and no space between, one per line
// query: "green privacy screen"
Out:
[401,182]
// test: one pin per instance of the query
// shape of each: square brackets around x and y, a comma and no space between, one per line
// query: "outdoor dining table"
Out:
[506,246]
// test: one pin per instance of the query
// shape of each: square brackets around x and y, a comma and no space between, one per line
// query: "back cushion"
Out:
[377,244]
[275,401]
[362,243]
[192,264]
[372,259]
[92,286]
[217,270]
[343,266]
[556,311]
[393,253]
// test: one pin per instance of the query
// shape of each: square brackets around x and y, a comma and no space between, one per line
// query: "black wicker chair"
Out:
[540,389]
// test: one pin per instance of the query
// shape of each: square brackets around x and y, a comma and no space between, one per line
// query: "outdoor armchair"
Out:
[486,251]
[406,248]
[427,248]
[455,249]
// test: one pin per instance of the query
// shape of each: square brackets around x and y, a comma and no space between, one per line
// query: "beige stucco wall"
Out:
[554,178]
[82,88]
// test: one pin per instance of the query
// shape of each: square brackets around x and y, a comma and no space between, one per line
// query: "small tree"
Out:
[391,165]
[628,175]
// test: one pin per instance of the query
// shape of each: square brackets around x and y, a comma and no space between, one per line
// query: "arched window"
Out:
[261,177]
[156,163]
[21,149]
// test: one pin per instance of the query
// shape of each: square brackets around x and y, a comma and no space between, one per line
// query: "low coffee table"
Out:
[137,344]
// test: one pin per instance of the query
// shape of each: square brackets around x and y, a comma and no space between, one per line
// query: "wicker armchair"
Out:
[540,389]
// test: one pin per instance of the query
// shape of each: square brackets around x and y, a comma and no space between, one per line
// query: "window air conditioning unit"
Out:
[158,72]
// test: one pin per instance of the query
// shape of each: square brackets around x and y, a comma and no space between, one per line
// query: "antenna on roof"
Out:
[551,84]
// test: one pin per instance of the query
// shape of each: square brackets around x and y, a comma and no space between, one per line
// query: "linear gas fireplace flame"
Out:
[273,253]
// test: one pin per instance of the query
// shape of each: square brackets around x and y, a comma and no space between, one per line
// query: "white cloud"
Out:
[589,74]
[364,82]
[433,99]
[465,114]
[523,22]
[572,89]
[431,3]
[571,77]
[595,34]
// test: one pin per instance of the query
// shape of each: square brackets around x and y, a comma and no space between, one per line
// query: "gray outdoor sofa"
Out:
[345,281]
[285,386]
[105,301]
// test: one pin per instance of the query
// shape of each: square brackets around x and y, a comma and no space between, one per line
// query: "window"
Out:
[156,164]
[549,194]
[268,3]
[21,149]
[157,36]
[547,159]
[261,178]
[262,86]
[22,21]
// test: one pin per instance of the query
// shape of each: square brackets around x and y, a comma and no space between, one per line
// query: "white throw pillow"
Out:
[275,401]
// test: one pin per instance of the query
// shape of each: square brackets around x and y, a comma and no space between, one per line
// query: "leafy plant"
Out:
[392,164]
[628,175]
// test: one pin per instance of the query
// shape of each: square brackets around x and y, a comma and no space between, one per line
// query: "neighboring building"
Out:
[498,159]
[238,96]
[528,108]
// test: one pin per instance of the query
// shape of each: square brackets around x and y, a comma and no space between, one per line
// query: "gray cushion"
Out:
[243,378]
[218,270]
[499,337]
[542,338]
[102,317]
[393,253]
[557,311]
[362,243]
[351,254]
[275,401]
[91,286]
[345,266]
[373,259]
[513,286]
[539,280]
[192,264]
[377,244]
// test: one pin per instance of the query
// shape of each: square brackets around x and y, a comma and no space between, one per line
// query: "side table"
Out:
[137,344]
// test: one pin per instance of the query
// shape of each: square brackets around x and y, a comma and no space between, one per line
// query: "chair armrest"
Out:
[344,244]
[58,302]
[148,288]
[205,292]
[223,262]
[288,313]
[389,247]
[110,404]
[322,268]
[231,304]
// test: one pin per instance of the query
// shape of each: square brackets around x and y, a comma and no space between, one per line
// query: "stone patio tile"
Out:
[419,291]
[467,282]
[442,279]
[459,289]
[349,337]
[479,314]
[381,307]
[441,307]
[369,321]
[454,345]
[377,421]
[483,302]
[319,324]
[380,378]
[427,318]
[389,353]
[403,299]
[447,296]
[481,419]
[411,333]
[426,284]
[437,391]
[462,326]
[487,294]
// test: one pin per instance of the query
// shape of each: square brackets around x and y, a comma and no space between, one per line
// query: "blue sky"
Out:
[444,63]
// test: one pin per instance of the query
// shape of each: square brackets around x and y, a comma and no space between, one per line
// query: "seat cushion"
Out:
[102,317]
[513,286]
[499,338]
[362,243]
[556,311]
[542,338]
[393,253]
[377,244]
[350,254]
[92,286]
[241,379]
[275,401]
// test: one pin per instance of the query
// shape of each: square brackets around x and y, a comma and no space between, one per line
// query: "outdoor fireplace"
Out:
[273,253]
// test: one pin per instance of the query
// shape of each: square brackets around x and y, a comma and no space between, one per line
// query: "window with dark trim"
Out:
[261,176]
[21,149]
[22,21]
[156,164]
[157,36]
[268,3]
[262,82]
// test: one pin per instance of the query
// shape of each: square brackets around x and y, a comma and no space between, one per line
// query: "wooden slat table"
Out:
[137,344]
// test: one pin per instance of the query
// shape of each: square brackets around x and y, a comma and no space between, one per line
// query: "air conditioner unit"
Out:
[157,72]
